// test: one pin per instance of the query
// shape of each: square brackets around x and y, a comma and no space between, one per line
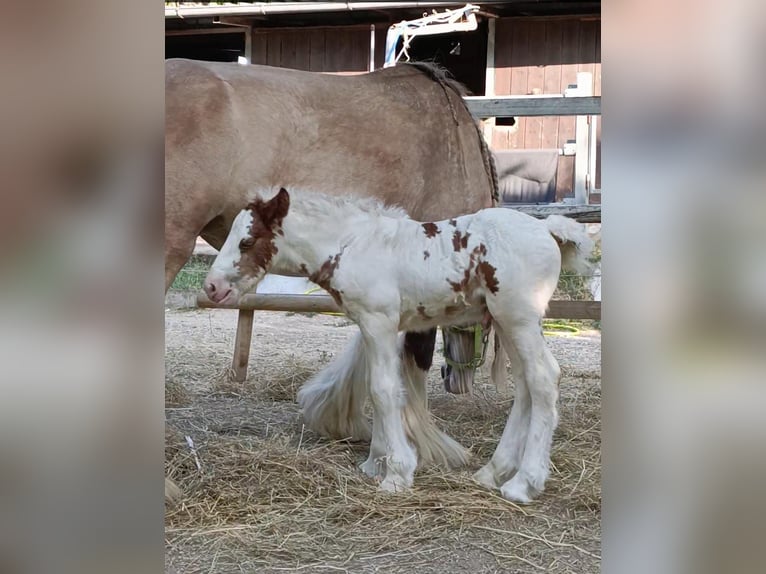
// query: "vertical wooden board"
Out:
[260,48]
[569,56]
[570,37]
[533,133]
[499,139]
[332,46]
[519,73]
[302,50]
[564,177]
[317,50]
[288,56]
[274,57]
[586,57]
[360,44]
[552,80]
[503,48]
[519,58]
[516,138]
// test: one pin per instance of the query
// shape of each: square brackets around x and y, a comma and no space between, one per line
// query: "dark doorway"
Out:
[464,54]
[220,47]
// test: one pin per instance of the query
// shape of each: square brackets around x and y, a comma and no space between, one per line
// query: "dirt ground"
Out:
[264,494]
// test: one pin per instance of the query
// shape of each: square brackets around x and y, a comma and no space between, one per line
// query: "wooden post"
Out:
[584,88]
[242,345]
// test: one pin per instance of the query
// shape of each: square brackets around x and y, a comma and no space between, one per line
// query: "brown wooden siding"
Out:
[335,49]
[543,56]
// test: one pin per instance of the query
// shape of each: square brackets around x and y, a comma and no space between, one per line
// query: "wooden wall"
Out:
[333,49]
[532,55]
[543,56]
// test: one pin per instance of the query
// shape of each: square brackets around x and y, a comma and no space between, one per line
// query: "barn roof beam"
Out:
[266,8]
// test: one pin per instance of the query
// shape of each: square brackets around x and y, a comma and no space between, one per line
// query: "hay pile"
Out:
[293,500]
[271,496]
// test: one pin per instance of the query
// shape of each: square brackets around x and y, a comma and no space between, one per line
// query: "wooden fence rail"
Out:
[248,304]
[509,106]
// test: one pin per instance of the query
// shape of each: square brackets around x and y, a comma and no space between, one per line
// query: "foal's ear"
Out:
[275,210]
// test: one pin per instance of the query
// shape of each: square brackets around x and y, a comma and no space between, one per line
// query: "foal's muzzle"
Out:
[218,289]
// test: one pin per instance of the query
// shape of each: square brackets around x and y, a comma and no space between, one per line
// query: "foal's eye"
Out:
[246,243]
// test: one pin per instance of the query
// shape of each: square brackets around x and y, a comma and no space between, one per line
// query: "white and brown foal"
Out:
[390,274]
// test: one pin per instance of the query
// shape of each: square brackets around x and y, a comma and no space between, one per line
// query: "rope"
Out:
[560,329]
[333,313]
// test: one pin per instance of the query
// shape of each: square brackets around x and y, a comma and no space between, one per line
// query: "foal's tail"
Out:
[576,248]
[575,243]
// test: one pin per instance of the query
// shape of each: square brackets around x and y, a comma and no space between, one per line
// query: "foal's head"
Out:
[247,254]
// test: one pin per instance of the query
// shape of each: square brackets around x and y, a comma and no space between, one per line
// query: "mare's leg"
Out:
[179,246]
[417,357]
[398,458]
[433,446]
[507,456]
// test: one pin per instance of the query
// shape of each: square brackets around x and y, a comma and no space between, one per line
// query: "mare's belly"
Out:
[422,315]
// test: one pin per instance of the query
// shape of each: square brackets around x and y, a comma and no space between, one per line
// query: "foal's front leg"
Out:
[390,453]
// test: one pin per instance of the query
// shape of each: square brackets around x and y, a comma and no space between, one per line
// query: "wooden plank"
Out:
[326,304]
[533,129]
[584,87]
[507,106]
[565,169]
[302,50]
[288,57]
[276,302]
[518,79]
[336,44]
[260,48]
[242,345]
[552,80]
[582,213]
[274,55]
[316,50]
[574,310]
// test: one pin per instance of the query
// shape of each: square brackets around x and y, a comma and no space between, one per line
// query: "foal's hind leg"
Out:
[541,374]
[510,450]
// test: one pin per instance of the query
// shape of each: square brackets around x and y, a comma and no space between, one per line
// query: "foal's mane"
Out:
[322,205]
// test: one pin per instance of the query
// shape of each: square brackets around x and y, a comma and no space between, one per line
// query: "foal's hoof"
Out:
[517,490]
[372,468]
[394,484]
[486,477]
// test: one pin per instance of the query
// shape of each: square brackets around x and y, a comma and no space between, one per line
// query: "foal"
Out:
[390,273]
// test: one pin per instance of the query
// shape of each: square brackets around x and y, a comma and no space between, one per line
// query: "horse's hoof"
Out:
[486,477]
[371,468]
[516,490]
[394,484]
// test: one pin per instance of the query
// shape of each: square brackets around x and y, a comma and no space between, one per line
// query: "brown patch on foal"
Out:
[487,272]
[422,312]
[258,249]
[460,241]
[431,229]
[463,284]
[323,277]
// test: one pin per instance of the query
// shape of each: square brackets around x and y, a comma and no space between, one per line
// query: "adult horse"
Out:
[403,135]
